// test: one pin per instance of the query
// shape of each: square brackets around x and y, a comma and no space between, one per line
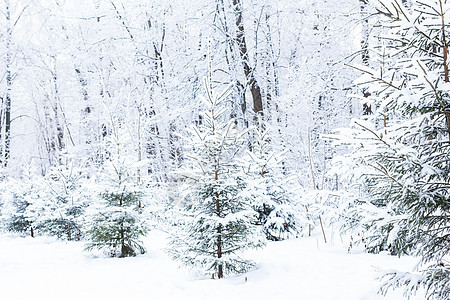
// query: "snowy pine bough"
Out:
[399,160]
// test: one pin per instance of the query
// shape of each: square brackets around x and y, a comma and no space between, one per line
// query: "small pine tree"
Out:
[27,202]
[66,181]
[218,214]
[116,224]
[272,191]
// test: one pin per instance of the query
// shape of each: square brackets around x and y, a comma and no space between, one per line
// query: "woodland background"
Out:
[112,125]
[75,69]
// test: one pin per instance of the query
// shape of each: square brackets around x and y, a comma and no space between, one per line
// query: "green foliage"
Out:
[121,199]
[118,228]
[277,214]
[17,222]
[60,228]
[403,168]
[25,202]
[67,226]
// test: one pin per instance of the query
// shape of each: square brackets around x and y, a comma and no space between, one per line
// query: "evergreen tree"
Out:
[217,212]
[27,202]
[68,198]
[401,154]
[272,190]
[116,224]
[51,205]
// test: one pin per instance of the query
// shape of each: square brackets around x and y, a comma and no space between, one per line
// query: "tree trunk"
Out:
[219,243]
[218,208]
[272,75]
[59,116]
[83,85]
[446,71]
[123,249]
[219,229]
[367,108]
[5,149]
[7,98]
[243,52]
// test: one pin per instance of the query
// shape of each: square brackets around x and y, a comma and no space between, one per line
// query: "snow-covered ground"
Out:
[301,269]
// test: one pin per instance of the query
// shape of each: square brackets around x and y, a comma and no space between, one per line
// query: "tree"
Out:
[12,13]
[66,182]
[218,214]
[272,190]
[116,224]
[403,163]
[27,202]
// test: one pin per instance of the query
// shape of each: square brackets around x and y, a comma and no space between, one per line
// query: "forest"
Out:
[223,127]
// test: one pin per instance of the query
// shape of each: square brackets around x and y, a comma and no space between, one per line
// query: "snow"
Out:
[304,268]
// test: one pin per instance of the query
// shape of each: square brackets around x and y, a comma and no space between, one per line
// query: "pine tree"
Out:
[64,205]
[217,213]
[272,190]
[27,202]
[116,224]
[402,153]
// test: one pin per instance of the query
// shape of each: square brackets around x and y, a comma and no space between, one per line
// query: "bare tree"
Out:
[5,110]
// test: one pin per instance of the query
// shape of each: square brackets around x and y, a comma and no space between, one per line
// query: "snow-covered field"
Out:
[303,269]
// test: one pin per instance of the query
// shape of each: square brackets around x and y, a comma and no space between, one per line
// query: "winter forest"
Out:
[245,149]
